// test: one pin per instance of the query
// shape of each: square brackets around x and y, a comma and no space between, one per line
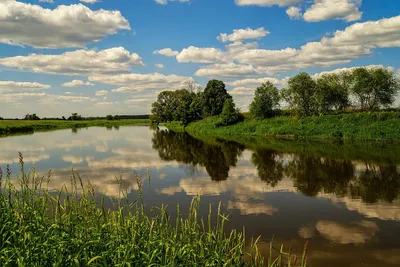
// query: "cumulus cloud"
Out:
[75,83]
[201,55]
[168,52]
[89,1]
[239,35]
[253,83]
[43,97]
[227,70]
[357,233]
[347,10]
[160,66]
[102,93]
[164,2]
[13,86]
[336,71]
[248,208]
[78,62]
[135,82]
[65,26]
[294,12]
[267,2]
[72,159]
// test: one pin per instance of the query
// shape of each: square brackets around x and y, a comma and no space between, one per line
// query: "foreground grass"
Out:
[73,228]
[362,126]
[25,126]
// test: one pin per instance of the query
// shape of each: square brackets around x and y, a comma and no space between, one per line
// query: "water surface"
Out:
[343,198]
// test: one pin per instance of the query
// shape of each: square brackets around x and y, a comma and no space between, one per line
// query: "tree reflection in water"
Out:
[310,175]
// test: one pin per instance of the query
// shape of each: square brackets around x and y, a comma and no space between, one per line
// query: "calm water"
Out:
[345,198]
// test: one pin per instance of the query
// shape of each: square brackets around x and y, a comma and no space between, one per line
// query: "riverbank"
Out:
[8,127]
[372,126]
[45,228]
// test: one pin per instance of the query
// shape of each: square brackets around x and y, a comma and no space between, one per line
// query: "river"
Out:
[342,197]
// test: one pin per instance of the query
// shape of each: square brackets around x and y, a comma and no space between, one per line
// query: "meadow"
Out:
[374,126]
[29,126]
[72,227]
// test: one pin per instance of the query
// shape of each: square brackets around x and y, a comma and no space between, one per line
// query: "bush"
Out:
[230,114]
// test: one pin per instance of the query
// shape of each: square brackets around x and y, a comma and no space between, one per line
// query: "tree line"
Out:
[78,117]
[363,89]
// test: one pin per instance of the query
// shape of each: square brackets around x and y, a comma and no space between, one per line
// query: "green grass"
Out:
[72,227]
[25,126]
[362,126]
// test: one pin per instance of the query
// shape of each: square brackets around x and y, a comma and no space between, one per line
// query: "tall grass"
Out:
[72,227]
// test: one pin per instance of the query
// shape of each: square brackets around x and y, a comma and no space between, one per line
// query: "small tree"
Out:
[31,117]
[116,117]
[374,88]
[266,100]
[333,91]
[301,95]
[230,114]
[75,117]
[1,118]
[63,118]
[214,97]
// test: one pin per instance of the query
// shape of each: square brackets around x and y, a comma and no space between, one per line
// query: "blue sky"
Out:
[115,56]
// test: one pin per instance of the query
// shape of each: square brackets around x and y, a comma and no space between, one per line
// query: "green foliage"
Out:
[213,98]
[333,91]
[230,114]
[73,227]
[301,95]
[363,126]
[109,117]
[266,100]
[75,117]
[374,88]
[32,117]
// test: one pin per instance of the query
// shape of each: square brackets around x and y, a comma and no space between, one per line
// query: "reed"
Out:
[72,227]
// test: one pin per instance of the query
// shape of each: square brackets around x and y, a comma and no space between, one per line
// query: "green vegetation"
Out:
[266,100]
[27,126]
[230,114]
[362,126]
[73,227]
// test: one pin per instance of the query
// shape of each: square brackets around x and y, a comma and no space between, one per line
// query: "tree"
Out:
[230,114]
[333,91]
[75,117]
[63,118]
[214,97]
[31,117]
[301,95]
[109,117]
[1,118]
[164,108]
[374,88]
[266,100]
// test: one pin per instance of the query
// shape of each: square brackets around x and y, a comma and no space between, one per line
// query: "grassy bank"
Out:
[374,126]
[25,126]
[72,227]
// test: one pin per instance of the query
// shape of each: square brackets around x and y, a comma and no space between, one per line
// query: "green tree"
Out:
[230,114]
[301,95]
[214,97]
[333,91]
[266,100]
[109,117]
[1,118]
[374,88]
[164,108]
[75,117]
[31,117]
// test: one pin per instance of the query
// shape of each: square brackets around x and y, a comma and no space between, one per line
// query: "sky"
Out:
[99,57]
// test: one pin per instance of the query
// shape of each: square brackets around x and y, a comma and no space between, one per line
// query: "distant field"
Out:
[26,126]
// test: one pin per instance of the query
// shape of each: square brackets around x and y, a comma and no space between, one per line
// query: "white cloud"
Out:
[347,10]
[239,35]
[47,1]
[248,208]
[89,1]
[236,47]
[160,66]
[134,82]
[164,2]
[381,33]
[262,57]
[168,52]
[267,2]
[102,93]
[79,62]
[75,83]
[294,12]
[72,159]
[357,233]
[43,97]
[65,26]
[227,70]
[13,87]
[253,83]
[336,71]
[201,55]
